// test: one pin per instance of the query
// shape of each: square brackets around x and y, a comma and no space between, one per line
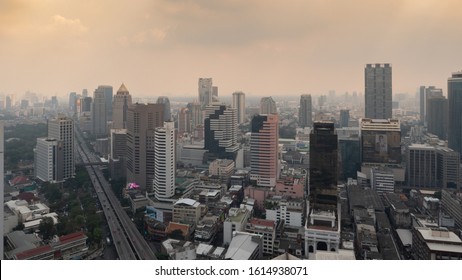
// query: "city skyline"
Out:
[263,49]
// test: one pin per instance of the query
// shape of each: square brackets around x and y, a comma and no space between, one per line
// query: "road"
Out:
[129,243]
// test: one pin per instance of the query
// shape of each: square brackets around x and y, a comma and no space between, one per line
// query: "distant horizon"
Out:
[262,48]
[193,96]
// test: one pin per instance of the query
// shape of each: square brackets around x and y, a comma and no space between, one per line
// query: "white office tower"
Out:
[2,186]
[239,105]
[49,160]
[205,91]
[164,161]
[62,128]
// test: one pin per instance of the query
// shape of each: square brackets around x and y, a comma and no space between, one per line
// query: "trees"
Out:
[22,148]
[47,228]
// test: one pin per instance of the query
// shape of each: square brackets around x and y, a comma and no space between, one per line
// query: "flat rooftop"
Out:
[439,235]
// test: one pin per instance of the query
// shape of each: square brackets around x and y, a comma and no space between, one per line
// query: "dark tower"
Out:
[323,166]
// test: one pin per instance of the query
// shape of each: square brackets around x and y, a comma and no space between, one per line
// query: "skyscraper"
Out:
[264,142]
[54,103]
[267,106]
[344,118]
[108,93]
[323,166]
[118,153]
[8,103]
[239,105]
[195,112]
[184,121]
[305,118]
[425,94]
[220,132]
[378,91]
[322,230]
[205,91]
[215,94]
[62,128]
[122,101]
[437,116]
[455,112]
[142,120]
[164,161]
[166,102]
[48,163]
[99,112]
[72,99]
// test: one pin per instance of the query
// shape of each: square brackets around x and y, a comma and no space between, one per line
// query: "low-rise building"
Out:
[179,250]
[209,252]
[137,200]
[399,213]
[207,228]
[382,180]
[187,211]
[245,246]
[222,169]
[236,221]
[66,247]
[435,244]
[452,205]
[265,228]
[291,211]
[27,212]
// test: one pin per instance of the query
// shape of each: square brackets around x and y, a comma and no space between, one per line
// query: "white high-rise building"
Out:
[239,105]
[205,91]
[164,161]
[62,128]
[49,160]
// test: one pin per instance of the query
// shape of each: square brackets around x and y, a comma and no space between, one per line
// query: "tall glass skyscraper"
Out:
[455,112]
[323,166]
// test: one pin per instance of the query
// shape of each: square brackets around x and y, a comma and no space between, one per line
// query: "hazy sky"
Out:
[261,47]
